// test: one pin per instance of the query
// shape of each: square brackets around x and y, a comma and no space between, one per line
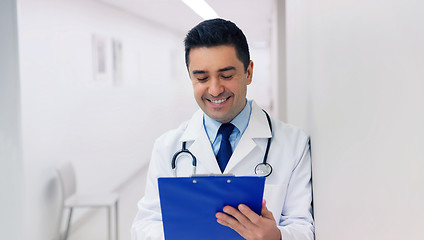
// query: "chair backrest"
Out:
[67,179]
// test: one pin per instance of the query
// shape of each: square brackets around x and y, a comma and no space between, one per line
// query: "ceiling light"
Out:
[202,8]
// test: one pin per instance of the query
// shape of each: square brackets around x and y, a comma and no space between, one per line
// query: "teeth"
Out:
[219,101]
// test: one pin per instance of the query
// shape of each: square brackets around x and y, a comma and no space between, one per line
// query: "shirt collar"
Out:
[240,122]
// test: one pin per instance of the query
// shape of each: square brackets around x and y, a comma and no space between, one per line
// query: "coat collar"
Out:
[258,128]
[194,128]
[258,125]
[199,144]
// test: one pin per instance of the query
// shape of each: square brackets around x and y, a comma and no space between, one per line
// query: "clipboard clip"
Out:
[213,175]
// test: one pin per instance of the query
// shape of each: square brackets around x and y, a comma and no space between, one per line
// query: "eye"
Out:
[226,77]
[202,79]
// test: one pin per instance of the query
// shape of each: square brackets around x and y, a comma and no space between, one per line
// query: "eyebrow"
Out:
[199,72]
[227,69]
[220,70]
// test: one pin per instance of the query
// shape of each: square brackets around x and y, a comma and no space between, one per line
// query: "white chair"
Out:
[72,200]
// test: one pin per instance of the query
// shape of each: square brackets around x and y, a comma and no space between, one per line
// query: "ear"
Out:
[249,72]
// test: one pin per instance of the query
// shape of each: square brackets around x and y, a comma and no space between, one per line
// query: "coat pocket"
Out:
[274,194]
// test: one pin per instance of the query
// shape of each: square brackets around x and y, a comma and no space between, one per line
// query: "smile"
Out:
[219,101]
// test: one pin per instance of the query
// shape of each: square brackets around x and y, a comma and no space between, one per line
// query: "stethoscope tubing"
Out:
[183,150]
[269,139]
[257,168]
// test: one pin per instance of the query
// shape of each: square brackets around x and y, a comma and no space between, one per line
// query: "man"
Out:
[219,65]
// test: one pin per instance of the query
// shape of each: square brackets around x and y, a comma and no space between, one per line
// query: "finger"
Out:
[230,215]
[241,217]
[249,214]
[229,221]
[225,219]
[237,215]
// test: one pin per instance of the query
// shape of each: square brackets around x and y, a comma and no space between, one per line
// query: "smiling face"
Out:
[219,81]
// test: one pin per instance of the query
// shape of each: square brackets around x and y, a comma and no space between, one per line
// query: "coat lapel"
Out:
[257,128]
[199,144]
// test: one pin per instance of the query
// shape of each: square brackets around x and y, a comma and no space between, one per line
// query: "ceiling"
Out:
[252,16]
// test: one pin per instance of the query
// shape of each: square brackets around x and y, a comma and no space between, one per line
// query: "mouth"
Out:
[219,101]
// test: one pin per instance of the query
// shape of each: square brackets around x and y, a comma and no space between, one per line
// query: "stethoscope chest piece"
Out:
[263,169]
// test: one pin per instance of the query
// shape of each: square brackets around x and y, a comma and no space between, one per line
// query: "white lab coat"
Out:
[288,190]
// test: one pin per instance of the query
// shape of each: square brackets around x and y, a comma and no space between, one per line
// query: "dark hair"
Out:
[216,32]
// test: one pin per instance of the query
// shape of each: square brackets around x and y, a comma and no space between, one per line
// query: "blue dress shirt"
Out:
[241,121]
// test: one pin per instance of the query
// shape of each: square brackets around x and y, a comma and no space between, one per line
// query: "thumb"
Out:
[265,212]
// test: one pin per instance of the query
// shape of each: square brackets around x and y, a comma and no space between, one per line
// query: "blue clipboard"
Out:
[189,204]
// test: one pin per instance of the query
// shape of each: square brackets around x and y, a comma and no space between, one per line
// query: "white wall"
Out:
[278,59]
[107,129]
[355,82]
[11,170]
[260,89]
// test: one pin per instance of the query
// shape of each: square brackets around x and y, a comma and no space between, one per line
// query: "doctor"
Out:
[219,65]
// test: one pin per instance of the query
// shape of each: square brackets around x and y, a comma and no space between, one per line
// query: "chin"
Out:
[222,119]
[216,117]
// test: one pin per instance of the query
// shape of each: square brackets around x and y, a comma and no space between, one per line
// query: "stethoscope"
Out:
[263,169]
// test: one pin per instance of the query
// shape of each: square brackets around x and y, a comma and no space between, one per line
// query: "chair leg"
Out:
[116,220]
[68,225]
[109,210]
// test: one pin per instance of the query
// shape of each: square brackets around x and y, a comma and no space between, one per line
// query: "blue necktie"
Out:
[225,150]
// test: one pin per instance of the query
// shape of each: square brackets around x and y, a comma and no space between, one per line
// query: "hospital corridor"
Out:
[88,89]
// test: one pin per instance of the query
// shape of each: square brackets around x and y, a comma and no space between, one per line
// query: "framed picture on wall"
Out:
[117,61]
[101,58]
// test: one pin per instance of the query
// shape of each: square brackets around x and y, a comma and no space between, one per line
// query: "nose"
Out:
[215,87]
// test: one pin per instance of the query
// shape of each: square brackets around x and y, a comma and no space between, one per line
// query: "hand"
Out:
[248,224]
